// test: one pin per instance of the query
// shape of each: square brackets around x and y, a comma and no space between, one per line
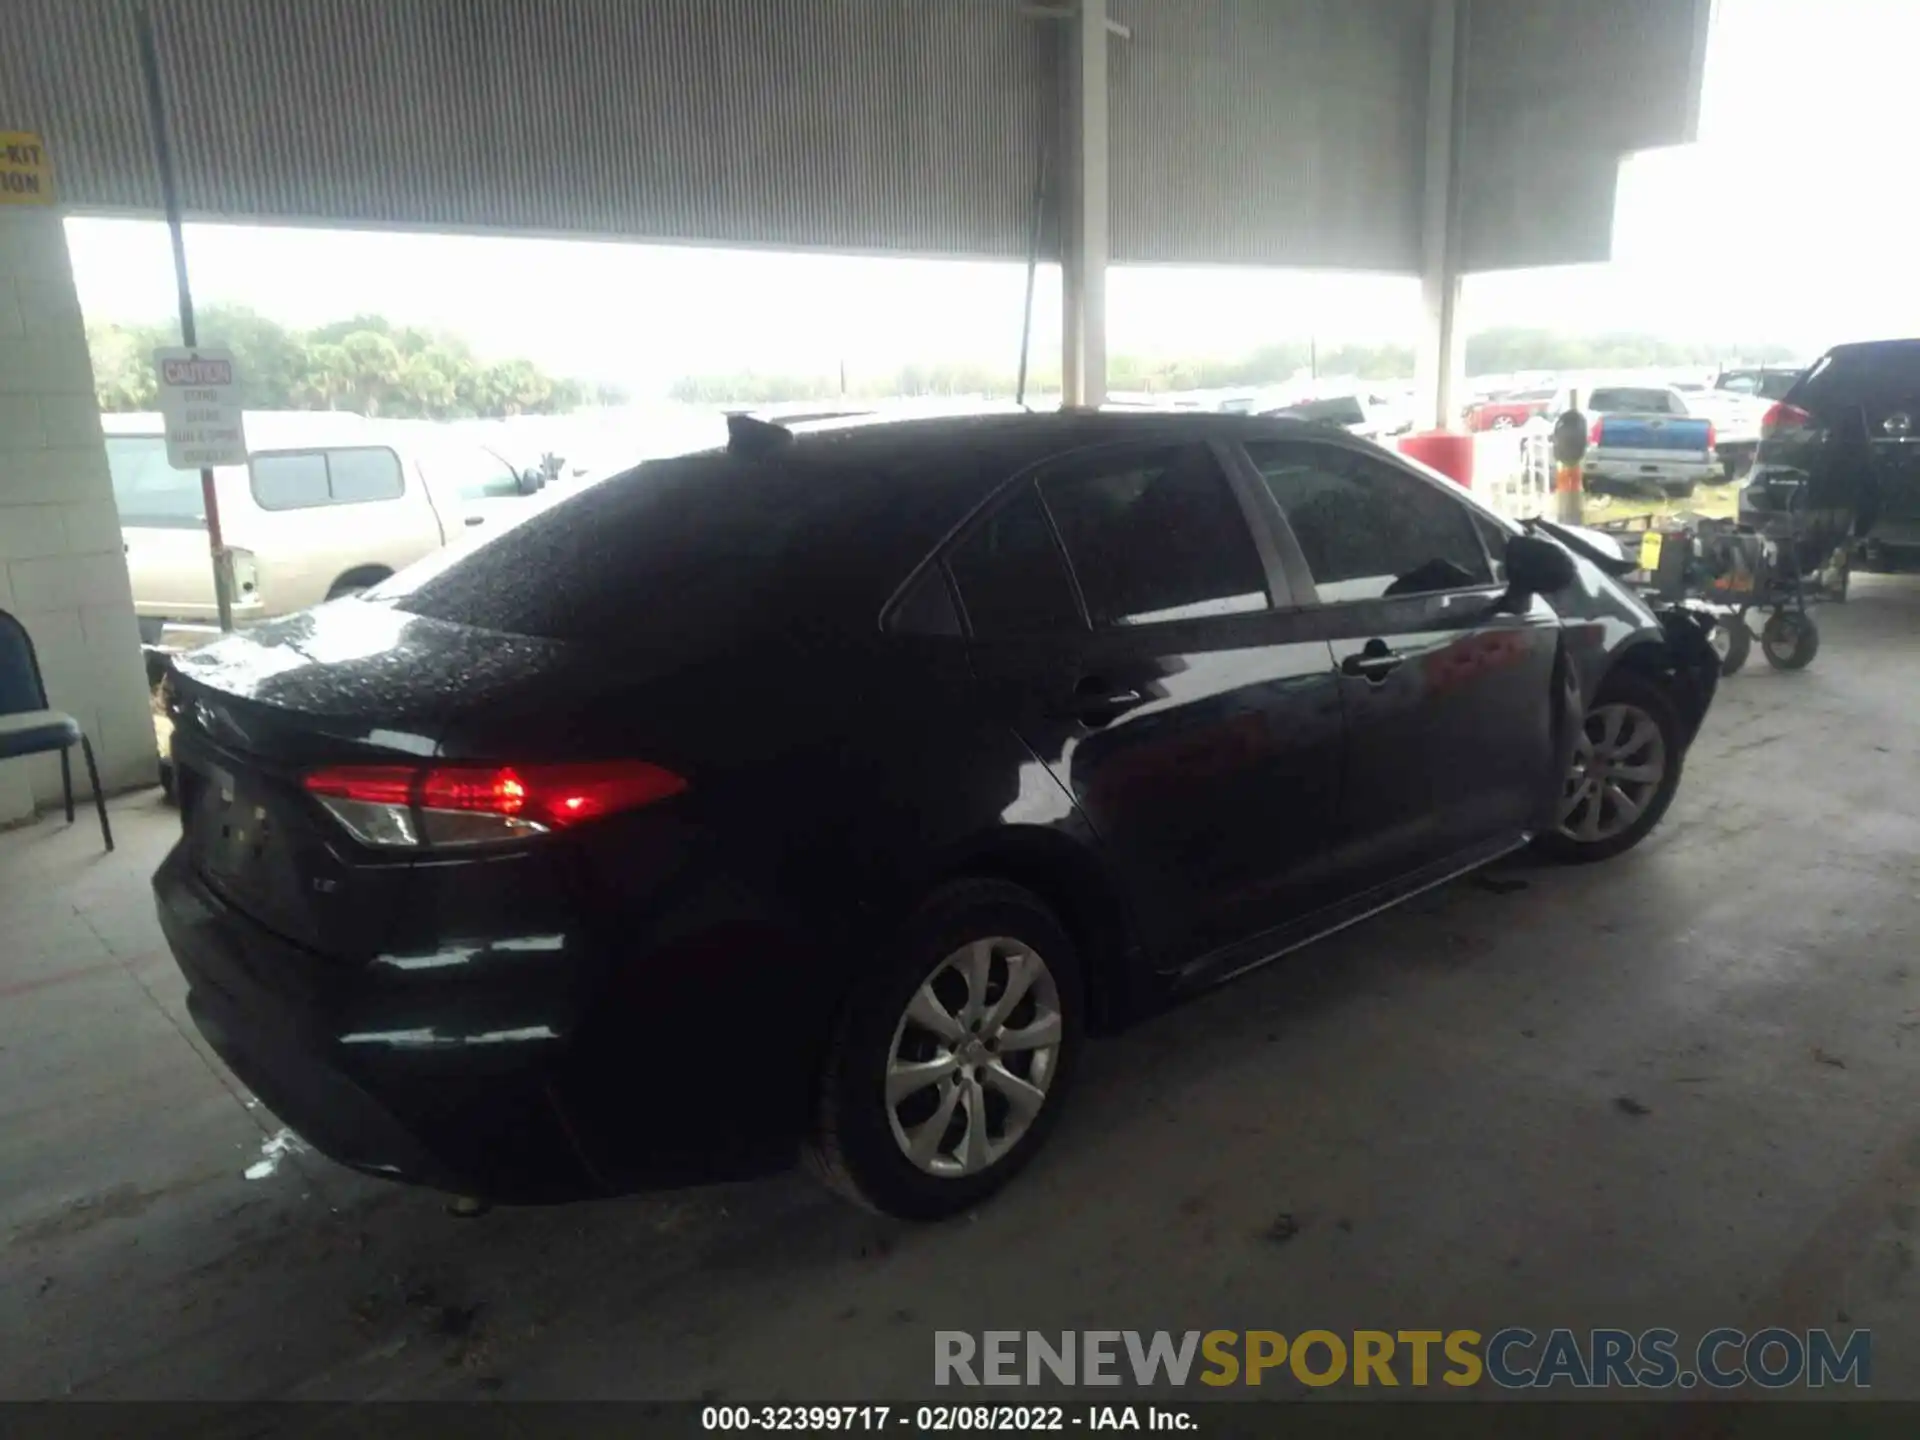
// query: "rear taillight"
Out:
[402,806]
[1712,438]
[1593,435]
[1782,418]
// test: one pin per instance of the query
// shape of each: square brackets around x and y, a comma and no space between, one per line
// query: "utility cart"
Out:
[1728,570]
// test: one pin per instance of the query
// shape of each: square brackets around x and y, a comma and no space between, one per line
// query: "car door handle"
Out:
[476,519]
[1374,663]
[1094,702]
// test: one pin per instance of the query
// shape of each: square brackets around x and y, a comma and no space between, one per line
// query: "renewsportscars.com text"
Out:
[1514,1358]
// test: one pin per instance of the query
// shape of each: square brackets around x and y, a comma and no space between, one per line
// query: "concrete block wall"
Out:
[63,571]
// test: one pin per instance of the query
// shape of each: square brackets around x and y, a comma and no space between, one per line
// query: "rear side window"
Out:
[1011,578]
[1367,530]
[308,479]
[1157,536]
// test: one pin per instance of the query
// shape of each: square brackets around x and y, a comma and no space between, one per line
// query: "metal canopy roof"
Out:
[1275,132]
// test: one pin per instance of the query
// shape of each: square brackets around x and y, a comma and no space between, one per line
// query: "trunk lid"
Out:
[347,683]
[1665,435]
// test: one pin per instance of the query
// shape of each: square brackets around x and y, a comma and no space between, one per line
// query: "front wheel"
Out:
[1732,641]
[1625,770]
[1789,640]
[951,1062]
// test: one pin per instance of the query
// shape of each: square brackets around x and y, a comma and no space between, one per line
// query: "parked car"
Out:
[1346,410]
[1641,442]
[1841,452]
[823,794]
[1736,417]
[1764,382]
[328,503]
[1509,412]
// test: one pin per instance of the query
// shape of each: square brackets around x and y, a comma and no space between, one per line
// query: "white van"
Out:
[328,504]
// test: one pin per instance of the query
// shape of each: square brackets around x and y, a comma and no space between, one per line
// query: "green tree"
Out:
[365,363]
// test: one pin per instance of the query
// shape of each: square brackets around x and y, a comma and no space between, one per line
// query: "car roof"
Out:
[267,429]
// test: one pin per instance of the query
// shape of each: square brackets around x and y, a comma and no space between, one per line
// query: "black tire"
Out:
[853,1149]
[1629,687]
[1733,642]
[1790,640]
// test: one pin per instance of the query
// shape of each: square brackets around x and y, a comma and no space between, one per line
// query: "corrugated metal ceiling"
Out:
[1278,132]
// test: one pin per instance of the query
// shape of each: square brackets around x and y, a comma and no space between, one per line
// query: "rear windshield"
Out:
[1869,375]
[148,491]
[702,543]
[1627,400]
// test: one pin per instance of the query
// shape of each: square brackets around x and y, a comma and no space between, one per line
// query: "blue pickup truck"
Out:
[1641,441]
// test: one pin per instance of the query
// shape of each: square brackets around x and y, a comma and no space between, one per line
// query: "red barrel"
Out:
[1445,451]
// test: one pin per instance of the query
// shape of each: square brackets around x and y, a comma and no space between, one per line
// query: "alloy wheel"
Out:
[973,1057]
[1619,762]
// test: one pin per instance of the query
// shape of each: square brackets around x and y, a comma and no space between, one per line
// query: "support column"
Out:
[1440,361]
[63,570]
[1083,289]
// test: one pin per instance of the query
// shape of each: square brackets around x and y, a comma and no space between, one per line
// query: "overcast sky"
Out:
[1785,222]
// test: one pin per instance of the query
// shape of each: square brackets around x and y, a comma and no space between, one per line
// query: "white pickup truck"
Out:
[1736,421]
[1641,440]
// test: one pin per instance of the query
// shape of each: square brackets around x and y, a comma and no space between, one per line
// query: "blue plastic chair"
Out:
[29,727]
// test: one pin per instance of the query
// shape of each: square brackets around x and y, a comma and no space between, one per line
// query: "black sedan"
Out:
[820,795]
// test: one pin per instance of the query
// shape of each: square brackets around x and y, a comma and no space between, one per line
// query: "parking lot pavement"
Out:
[1679,1089]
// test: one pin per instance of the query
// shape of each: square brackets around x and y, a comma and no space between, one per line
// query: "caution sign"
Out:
[200,403]
[26,171]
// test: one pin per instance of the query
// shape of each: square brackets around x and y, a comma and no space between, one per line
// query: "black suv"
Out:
[821,793]
[1839,456]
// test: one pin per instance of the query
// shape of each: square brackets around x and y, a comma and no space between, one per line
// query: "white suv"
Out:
[327,504]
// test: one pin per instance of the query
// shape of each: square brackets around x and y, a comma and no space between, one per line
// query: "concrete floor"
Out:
[1433,1096]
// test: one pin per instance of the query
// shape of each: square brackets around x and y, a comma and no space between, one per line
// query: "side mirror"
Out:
[531,480]
[1538,567]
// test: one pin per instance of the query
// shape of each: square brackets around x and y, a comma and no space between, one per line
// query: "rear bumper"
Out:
[557,1095]
[1648,473]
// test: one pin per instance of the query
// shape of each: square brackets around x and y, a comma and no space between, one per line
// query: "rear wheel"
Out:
[354,581]
[1789,640]
[1626,768]
[951,1062]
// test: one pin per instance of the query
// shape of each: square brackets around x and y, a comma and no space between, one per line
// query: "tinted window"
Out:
[305,479]
[927,608]
[676,560]
[1010,574]
[1494,536]
[290,482]
[1368,530]
[147,489]
[1158,536]
[1874,376]
[355,476]
[1631,400]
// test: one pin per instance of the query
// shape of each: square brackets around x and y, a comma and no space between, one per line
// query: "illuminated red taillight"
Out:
[1712,438]
[407,805]
[1782,417]
[1593,435]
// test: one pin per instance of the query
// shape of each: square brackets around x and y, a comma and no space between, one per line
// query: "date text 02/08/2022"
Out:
[813,1419]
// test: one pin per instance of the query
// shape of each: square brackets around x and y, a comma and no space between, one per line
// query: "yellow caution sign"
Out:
[26,170]
[1650,550]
